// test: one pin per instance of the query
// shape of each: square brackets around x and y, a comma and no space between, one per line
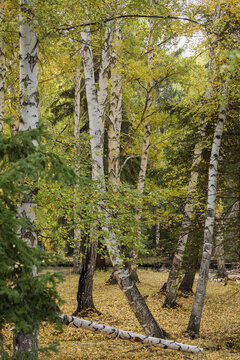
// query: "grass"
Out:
[220,327]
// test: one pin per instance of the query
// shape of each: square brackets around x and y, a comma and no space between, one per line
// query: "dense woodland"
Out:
[119,147]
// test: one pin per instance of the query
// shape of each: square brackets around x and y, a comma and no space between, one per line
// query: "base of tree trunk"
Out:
[87,311]
[25,346]
[85,284]
[112,280]
[170,304]
[163,289]
[187,283]
[134,274]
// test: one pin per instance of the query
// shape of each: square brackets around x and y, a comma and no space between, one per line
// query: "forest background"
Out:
[118,143]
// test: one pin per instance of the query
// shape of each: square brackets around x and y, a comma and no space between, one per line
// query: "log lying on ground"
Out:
[128,335]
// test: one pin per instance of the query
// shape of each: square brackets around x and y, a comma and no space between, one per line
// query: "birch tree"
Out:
[195,318]
[129,335]
[2,70]
[173,278]
[145,145]
[89,248]
[219,246]
[105,64]
[28,77]
[77,232]
[174,275]
[115,115]
[133,295]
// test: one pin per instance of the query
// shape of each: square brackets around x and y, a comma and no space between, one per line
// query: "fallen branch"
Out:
[128,335]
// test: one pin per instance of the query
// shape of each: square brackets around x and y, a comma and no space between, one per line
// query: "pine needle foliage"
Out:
[25,301]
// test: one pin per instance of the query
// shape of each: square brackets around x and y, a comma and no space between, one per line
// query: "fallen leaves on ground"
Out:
[220,327]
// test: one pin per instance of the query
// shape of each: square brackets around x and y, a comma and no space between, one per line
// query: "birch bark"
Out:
[115,116]
[89,248]
[134,297]
[77,232]
[195,318]
[219,248]
[102,93]
[173,278]
[129,335]
[28,75]
[174,275]
[2,80]
[2,69]
[145,151]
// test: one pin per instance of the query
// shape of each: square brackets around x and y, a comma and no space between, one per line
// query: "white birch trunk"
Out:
[115,116]
[135,299]
[2,81]
[173,278]
[28,74]
[29,98]
[219,248]
[2,68]
[145,152]
[129,335]
[158,234]
[102,93]
[77,232]
[195,318]
[174,275]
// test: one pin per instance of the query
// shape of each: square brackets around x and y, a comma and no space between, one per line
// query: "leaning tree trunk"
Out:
[77,231]
[195,318]
[174,275]
[134,297]
[173,278]
[23,343]
[145,150]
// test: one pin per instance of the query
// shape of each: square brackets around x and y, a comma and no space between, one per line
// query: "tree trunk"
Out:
[173,278]
[128,335]
[2,99]
[195,318]
[29,120]
[157,238]
[102,93]
[2,81]
[219,248]
[77,231]
[85,285]
[23,344]
[135,299]
[187,282]
[145,151]
[115,117]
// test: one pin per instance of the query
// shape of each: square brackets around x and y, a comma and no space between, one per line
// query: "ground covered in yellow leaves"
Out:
[220,329]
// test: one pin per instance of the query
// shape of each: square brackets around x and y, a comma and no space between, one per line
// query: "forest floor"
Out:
[220,327]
